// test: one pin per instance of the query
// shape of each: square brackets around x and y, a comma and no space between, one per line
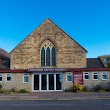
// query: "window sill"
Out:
[48,66]
[69,81]
[86,79]
[25,82]
[104,79]
[95,79]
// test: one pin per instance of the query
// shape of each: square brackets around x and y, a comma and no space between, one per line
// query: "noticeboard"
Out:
[78,78]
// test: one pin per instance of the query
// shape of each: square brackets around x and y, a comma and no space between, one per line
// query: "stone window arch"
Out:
[48,54]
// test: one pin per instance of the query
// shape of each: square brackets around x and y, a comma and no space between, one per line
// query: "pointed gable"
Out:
[48,27]
[27,53]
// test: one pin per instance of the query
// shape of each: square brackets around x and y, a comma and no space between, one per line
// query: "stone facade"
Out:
[16,82]
[69,54]
[91,82]
[67,85]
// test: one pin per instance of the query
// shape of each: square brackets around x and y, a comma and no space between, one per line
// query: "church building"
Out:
[48,59]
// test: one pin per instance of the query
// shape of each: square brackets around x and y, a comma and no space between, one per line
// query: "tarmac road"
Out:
[86,104]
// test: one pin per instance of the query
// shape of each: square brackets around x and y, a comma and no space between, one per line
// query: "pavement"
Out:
[56,96]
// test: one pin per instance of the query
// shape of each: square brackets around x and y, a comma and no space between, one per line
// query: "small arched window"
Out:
[48,54]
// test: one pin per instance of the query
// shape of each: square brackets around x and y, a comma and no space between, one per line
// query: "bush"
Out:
[86,89]
[23,91]
[3,91]
[97,88]
[77,87]
[106,86]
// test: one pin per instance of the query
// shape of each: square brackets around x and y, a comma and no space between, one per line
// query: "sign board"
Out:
[46,69]
[78,78]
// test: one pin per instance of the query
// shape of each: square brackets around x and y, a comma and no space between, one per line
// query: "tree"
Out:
[108,61]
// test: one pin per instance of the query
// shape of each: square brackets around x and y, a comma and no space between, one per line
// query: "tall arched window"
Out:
[48,57]
[43,57]
[53,56]
[48,54]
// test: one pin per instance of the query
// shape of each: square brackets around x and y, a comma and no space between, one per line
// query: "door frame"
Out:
[47,75]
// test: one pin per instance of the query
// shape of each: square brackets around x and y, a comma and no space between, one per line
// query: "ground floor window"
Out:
[86,76]
[25,78]
[95,76]
[69,77]
[8,77]
[47,82]
[0,77]
[104,76]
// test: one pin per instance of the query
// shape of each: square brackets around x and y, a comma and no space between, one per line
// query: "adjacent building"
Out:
[4,59]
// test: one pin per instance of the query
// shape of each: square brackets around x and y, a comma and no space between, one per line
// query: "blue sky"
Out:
[86,21]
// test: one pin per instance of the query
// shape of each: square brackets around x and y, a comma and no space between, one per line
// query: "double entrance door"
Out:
[47,82]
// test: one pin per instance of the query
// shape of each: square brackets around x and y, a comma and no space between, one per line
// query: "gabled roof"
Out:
[66,34]
[94,63]
[4,54]
[46,21]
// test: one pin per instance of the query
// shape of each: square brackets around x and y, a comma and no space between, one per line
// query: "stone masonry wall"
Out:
[67,85]
[69,54]
[92,82]
[16,82]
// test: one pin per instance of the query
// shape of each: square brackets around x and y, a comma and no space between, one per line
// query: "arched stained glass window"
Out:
[48,57]
[53,57]
[48,54]
[43,57]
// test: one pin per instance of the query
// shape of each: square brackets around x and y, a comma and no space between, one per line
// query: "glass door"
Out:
[58,82]
[36,82]
[47,82]
[43,81]
[51,81]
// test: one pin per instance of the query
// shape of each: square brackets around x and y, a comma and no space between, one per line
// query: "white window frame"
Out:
[86,73]
[10,75]
[104,73]
[69,74]
[2,77]
[40,82]
[25,75]
[45,48]
[95,74]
